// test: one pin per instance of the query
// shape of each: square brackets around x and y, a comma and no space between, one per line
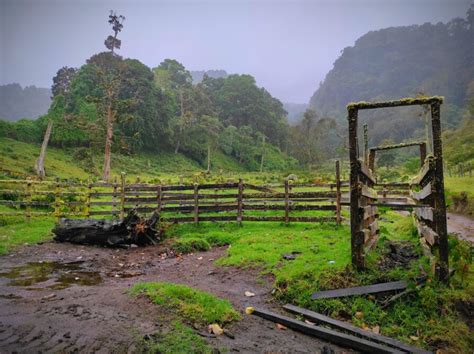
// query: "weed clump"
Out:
[195,306]
[190,245]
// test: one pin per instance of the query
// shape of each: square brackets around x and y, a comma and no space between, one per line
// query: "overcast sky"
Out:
[288,46]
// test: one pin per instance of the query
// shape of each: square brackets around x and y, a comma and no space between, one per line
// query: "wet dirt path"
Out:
[46,306]
[462,226]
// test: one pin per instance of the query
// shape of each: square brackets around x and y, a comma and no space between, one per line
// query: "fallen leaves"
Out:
[215,329]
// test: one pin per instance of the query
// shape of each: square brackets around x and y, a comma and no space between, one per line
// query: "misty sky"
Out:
[288,46]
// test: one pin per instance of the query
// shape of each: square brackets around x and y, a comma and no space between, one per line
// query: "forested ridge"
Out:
[435,59]
[18,102]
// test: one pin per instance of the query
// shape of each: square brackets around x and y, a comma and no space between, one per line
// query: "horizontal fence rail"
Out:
[236,201]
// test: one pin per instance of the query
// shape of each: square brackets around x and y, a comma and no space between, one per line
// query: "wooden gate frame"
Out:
[373,150]
[439,211]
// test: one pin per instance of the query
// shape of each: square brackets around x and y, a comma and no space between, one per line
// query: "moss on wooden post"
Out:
[122,195]
[87,210]
[438,197]
[196,203]
[338,192]
[357,238]
[240,201]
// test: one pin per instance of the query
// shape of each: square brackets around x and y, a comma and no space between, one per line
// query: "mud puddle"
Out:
[50,275]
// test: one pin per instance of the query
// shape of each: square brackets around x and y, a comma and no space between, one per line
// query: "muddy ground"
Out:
[68,298]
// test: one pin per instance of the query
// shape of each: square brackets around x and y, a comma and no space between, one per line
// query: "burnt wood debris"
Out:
[132,230]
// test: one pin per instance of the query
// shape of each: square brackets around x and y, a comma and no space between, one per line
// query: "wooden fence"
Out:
[235,201]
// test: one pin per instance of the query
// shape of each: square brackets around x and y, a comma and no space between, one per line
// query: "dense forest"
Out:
[428,59]
[29,102]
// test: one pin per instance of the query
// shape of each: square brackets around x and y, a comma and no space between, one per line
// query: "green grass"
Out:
[180,339]
[427,317]
[460,194]
[15,232]
[194,306]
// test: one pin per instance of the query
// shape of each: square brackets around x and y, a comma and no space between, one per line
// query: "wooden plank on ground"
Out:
[344,326]
[330,335]
[361,290]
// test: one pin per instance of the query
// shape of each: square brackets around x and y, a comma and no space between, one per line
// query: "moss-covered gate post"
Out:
[357,238]
[438,195]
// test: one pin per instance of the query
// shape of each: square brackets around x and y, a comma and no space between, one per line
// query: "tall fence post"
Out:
[240,201]
[28,201]
[196,203]
[287,202]
[439,198]
[366,144]
[338,192]
[122,195]
[114,199]
[357,238]
[57,200]
[88,199]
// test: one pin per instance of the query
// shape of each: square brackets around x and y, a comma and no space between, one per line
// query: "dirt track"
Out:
[84,306]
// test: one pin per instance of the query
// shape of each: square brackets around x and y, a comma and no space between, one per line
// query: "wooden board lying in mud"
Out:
[361,290]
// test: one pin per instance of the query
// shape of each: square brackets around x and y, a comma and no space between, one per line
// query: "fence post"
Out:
[338,192]
[158,195]
[196,203]
[287,202]
[439,197]
[88,198]
[366,144]
[240,201]
[422,154]
[57,200]
[114,198]
[122,195]
[28,201]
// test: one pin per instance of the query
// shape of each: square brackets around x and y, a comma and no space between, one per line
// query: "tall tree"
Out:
[111,86]
[116,21]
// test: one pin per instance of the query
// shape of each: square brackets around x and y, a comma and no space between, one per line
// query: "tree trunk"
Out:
[108,143]
[40,162]
[208,157]
[176,150]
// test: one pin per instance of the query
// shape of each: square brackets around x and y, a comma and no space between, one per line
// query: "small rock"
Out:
[249,294]
[280,326]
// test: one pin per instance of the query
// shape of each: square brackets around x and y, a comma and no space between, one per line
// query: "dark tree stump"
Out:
[110,233]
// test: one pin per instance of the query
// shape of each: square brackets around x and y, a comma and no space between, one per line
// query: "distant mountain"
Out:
[295,111]
[215,74]
[399,62]
[29,102]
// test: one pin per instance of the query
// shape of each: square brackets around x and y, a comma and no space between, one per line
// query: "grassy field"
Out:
[428,317]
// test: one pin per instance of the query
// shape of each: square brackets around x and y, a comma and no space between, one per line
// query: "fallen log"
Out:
[111,233]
